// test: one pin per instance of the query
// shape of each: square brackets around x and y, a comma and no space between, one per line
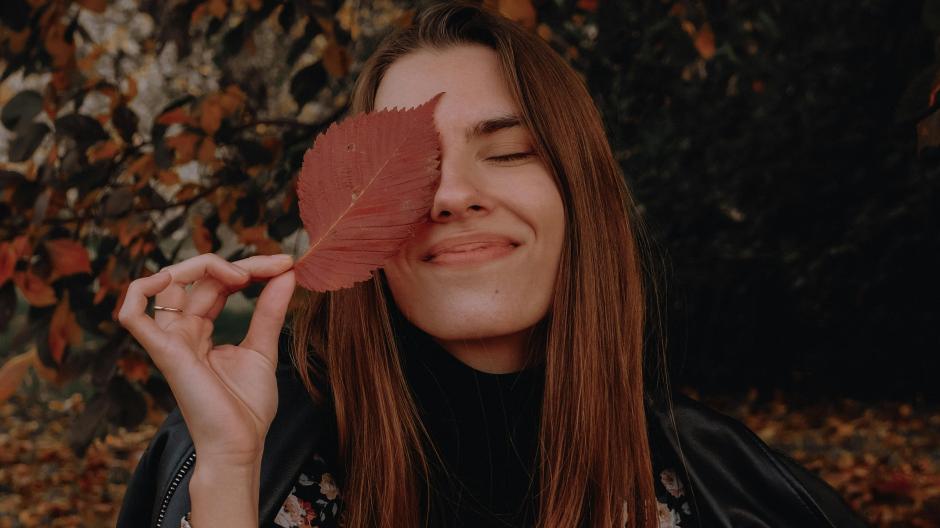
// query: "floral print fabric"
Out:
[315,500]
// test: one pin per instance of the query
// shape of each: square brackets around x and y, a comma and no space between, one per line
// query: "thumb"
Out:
[268,318]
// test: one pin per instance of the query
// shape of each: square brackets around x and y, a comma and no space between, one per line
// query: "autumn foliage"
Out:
[786,158]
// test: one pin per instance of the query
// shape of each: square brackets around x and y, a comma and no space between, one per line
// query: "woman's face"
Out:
[485,264]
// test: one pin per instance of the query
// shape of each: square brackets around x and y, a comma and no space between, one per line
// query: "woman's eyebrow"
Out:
[490,125]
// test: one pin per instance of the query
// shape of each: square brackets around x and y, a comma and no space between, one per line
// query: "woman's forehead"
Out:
[475,93]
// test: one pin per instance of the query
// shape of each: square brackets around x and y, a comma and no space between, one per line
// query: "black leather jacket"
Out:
[736,479]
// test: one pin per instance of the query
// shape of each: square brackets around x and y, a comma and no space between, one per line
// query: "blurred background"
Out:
[785,155]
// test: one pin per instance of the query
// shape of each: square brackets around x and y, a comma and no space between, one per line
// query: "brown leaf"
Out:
[364,187]
[68,257]
[34,289]
[17,39]
[63,330]
[928,131]
[336,59]
[13,372]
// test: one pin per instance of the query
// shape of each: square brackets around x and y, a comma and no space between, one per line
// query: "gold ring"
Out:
[167,309]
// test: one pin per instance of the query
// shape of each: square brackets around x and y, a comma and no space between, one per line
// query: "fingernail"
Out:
[284,257]
[241,270]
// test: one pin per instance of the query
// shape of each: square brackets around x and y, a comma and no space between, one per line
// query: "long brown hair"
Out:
[594,455]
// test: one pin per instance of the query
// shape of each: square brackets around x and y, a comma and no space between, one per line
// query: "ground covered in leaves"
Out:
[884,458]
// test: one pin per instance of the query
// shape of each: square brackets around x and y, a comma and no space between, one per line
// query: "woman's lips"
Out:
[472,252]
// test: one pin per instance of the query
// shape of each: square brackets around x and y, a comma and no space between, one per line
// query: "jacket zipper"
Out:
[188,463]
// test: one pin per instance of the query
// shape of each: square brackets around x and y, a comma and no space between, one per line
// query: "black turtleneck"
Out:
[485,427]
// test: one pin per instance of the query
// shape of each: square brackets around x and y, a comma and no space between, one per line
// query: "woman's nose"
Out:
[458,196]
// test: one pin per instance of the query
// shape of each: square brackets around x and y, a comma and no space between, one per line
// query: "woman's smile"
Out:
[472,253]
[473,247]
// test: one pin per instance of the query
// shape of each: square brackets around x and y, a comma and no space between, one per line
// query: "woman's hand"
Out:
[226,393]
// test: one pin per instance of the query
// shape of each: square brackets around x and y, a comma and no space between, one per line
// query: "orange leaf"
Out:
[63,330]
[168,177]
[185,146]
[98,6]
[130,228]
[142,170]
[198,14]
[226,200]
[88,62]
[35,290]
[103,150]
[218,8]
[210,117]
[13,372]
[232,99]
[207,151]
[177,115]
[258,236]
[365,186]
[520,11]
[68,257]
[131,91]
[61,51]
[705,41]
[134,369]
[186,192]
[587,5]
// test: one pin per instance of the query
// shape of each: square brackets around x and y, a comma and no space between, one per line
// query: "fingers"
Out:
[205,265]
[132,314]
[268,317]
[207,297]
[265,266]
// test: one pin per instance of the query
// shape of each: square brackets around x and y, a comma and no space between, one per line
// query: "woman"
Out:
[490,375]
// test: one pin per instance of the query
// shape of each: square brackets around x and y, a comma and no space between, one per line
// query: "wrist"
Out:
[224,494]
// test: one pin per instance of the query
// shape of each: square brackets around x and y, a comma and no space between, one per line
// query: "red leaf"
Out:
[63,330]
[365,185]
[34,289]
[68,257]
[7,261]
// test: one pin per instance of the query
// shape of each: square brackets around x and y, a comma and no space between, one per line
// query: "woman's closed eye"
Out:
[511,157]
